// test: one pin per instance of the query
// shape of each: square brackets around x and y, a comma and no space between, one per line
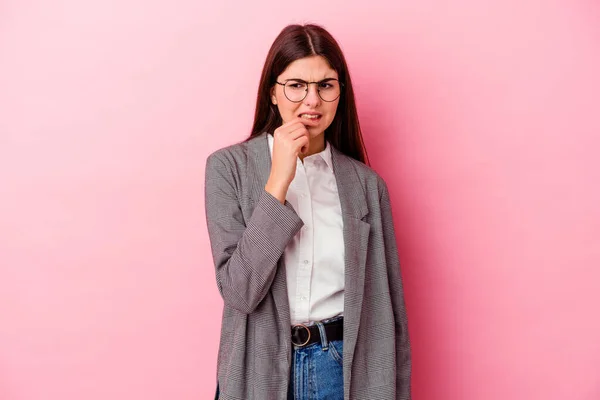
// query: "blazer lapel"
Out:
[356,239]
[259,165]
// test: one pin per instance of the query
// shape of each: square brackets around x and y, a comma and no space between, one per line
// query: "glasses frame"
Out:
[306,91]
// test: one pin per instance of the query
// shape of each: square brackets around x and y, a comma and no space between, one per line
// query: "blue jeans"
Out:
[316,372]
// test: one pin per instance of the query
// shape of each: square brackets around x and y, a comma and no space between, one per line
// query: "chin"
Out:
[315,131]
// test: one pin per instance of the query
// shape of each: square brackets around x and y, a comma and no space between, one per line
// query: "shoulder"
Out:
[232,153]
[235,155]
[368,176]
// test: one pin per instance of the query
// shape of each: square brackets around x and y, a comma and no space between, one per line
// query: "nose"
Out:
[312,98]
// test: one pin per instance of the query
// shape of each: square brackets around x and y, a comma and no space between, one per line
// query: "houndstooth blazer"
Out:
[249,230]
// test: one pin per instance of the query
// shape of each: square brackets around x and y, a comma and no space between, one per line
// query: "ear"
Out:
[273,97]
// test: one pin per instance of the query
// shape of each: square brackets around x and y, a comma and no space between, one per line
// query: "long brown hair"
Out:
[299,41]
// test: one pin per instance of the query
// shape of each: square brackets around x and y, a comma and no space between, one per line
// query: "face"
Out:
[308,69]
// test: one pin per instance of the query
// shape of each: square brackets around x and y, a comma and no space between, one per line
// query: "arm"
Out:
[403,356]
[245,256]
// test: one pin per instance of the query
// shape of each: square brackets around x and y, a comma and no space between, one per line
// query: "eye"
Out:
[295,85]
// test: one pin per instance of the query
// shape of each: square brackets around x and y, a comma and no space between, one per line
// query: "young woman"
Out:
[303,242]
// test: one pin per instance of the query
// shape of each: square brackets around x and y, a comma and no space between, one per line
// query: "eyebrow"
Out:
[302,80]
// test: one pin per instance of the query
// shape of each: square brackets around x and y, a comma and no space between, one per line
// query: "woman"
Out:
[303,241]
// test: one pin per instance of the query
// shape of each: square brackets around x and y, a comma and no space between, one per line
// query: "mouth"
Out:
[312,117]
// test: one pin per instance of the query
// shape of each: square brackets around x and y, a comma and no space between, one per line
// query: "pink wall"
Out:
[482,116]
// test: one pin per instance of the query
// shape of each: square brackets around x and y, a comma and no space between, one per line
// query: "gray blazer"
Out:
[249,230]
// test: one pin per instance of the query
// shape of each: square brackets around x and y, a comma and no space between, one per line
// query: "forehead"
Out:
[314,68]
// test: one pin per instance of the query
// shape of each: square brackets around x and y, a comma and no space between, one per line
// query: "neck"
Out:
[315,145]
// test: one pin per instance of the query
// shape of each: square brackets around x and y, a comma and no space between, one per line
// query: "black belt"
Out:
[303,335]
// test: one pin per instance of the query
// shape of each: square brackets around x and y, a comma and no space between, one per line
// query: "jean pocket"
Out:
[336,351]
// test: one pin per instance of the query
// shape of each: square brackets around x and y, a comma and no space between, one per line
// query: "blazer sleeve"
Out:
[403,352]
[245,253]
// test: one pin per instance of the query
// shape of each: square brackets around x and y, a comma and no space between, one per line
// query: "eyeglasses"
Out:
[295,90]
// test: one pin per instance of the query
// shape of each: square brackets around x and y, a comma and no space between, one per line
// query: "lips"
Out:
[310,116]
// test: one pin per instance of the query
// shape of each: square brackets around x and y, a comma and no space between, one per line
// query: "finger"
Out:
[303,142]
[298,132]
[290,123]
[282,132]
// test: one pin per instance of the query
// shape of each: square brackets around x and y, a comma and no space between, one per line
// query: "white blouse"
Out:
[314,258]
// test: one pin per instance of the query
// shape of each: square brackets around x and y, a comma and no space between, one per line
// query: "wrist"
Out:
[277,190]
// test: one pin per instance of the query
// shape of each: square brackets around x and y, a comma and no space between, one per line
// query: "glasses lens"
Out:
[329,90]
[295,91]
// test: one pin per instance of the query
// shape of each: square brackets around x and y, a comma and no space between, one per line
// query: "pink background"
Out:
[483,117]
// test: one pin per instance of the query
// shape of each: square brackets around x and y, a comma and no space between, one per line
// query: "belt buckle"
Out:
[307,330]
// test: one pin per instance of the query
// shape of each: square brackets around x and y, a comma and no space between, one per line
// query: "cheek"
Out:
[331,111]
[288,108]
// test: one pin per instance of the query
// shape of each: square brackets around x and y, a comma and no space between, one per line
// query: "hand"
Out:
[290,140]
